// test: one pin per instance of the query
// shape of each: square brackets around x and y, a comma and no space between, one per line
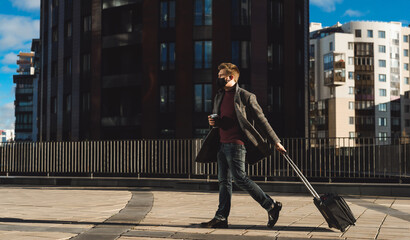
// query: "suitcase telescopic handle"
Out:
[301,176]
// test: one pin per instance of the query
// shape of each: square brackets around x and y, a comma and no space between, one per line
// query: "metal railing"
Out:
[345,159]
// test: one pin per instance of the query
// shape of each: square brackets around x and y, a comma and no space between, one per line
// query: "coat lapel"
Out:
[218,101]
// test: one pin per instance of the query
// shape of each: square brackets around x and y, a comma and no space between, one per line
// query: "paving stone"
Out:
[62,213]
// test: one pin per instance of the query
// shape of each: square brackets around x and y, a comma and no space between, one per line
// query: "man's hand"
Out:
[280,148]
[211,121]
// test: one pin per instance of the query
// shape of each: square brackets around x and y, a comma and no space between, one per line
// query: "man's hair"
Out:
[230,68]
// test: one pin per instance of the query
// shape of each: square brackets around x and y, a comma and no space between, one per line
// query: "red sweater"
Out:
[229,130]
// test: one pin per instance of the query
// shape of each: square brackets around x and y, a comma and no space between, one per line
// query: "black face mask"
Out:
[221,82]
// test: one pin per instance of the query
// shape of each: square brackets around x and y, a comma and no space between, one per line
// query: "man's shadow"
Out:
[252,227]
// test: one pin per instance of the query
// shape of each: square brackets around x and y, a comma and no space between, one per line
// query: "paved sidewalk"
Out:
[176,215]
[121,213]
[55,213]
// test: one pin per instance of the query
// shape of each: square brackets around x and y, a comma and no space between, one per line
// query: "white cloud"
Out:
[17,31]
[353,13]
[10,58]
[7,69]
[326,5]
[27,5]
[7,116]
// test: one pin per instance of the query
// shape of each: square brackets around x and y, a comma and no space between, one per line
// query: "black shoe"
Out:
[215,223]
[273,214]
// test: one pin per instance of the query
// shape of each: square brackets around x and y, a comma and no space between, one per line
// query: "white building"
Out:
[6,136]
[359,80]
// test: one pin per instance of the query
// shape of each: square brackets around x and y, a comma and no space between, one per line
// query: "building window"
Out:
[54,105]
[54,69]
[241,53]
[382,107]
[407,122]
[406,66]
[370,33]
[406,80]
[351,90]
[405,38]
[382,136]
[351,105]
[67,67]
[351,75]
[275,55]
[167,13]
[86,63]
[331,47]
[121,20]
[87,24]
[203,54]
[395,106]
[358,33]
[122,60]
[352,135]
[311,50]
[382,34]
[328,61]
[350,61]
[382,49]
[350,46]
[406,52]
[382,92]
[382,63]
[85,101]
[382,77]
[276,13]
[54,3]
[67,103]
[406,108]
[382,122]
[300,16]
[351,120]
[203,12]
[203,98]
[167,98]
[69,29]
[167,56]
[395,121]
[241,12]
[55,34]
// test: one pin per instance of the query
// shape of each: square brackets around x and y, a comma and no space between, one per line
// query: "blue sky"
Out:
[20,22]
[329,12]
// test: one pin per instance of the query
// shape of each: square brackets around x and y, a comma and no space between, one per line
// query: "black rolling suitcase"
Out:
[333,207]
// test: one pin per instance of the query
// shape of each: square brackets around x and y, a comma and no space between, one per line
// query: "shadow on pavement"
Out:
[19,220]
[380,208]
[251,227]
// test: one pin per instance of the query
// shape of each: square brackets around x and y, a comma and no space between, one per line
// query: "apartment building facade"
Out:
[24,97]
[359,80]
[126,69]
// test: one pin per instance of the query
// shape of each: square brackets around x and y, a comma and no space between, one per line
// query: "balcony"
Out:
[335,78]
[367,68]
[24,62]
[339,65]
[24,108]
[24,91]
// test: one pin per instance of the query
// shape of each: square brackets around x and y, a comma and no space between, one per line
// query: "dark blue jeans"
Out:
[231,164]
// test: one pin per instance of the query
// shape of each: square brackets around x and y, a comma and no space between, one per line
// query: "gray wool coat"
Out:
[256,128]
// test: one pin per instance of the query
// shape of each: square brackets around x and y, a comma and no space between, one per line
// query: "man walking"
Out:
[238,135]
